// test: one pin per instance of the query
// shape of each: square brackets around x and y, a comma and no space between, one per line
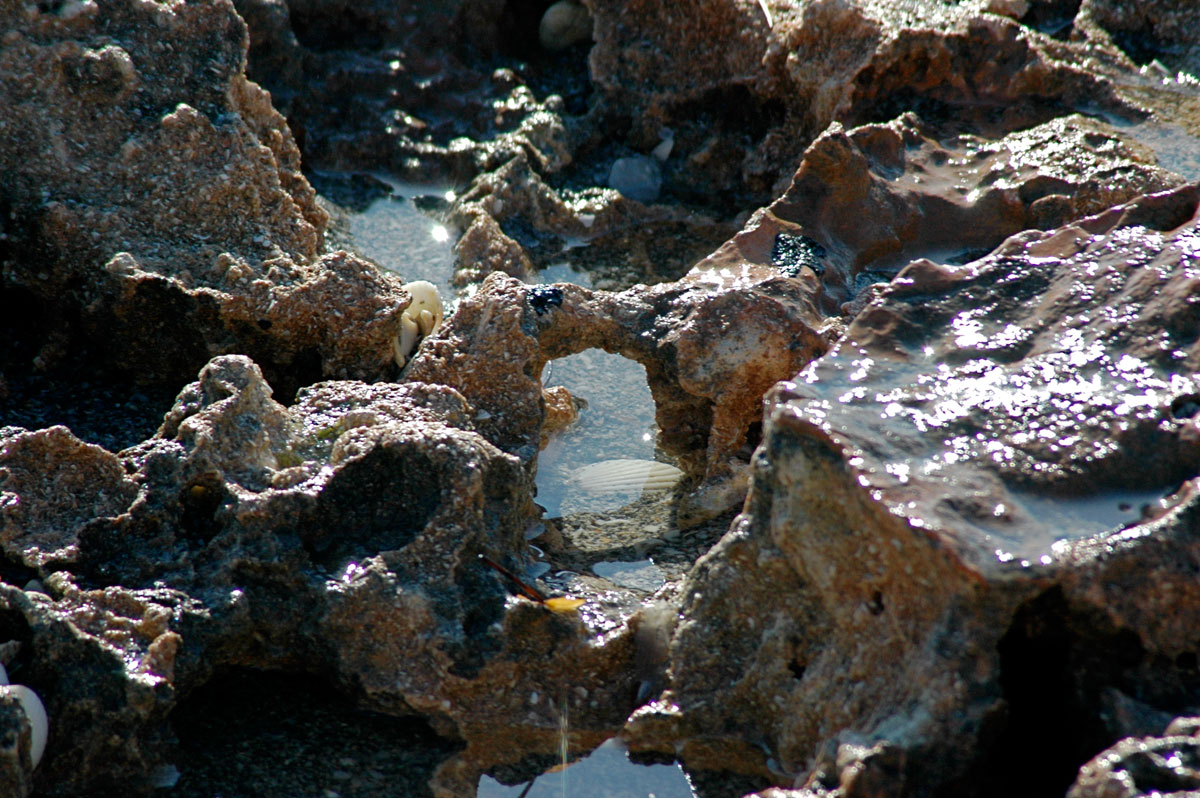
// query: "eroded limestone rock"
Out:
[821,62]
[711,346]
[155,206]
[924,511]
[52,485]
[338,537]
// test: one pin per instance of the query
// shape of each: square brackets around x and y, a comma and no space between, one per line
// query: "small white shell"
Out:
[422,317]
[625,476]
[38,721]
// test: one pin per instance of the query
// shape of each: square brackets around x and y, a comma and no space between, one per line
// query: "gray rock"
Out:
[637,177]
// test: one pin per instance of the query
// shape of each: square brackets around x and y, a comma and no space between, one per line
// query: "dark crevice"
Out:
[50,374]
[1054,663]
[1053,17]
[248,732]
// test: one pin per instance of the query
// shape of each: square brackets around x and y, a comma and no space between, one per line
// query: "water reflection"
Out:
[607,772]
[617,424]
[396,234]
[397,225]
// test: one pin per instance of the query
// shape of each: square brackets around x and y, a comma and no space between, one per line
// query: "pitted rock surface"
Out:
[901,602]
[154,197]
[330,537]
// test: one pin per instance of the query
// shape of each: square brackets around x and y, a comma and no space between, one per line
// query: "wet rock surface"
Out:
[959,531]
[930,553]
[1142,766]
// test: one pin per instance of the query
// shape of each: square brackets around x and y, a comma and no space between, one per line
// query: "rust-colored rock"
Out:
[924,511]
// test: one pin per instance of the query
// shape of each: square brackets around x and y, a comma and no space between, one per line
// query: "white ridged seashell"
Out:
[625,476]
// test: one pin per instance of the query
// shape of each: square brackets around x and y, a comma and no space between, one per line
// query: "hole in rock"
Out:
[1185,406]
[14,627]
[1054,18]
[248,732]
[379,502]
[1053,665]
[518,28]
[1142,45]
[199,503]
[616,428]
[344,28]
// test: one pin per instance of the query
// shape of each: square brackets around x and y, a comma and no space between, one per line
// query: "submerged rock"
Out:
[933,506]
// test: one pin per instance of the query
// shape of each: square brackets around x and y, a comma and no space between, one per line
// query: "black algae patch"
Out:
[544,297]
[793,253]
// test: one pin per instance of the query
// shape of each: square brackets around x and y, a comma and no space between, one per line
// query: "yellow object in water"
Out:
[564,604]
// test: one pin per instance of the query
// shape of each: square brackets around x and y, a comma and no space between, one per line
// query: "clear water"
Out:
[607,772]
[395,233]
[641,575]
[1177,150]
[617,424]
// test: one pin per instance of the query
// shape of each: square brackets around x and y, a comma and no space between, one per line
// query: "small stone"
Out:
[565,23]
[636,177]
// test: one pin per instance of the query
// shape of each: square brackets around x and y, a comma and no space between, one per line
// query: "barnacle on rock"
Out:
[422,317]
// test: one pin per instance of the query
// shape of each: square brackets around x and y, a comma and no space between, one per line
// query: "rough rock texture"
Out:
[867,201]
[52,485]
[921,560]
[821,62]
[711,346]
[1169,763]
[862,203]
[16,768]
[336,537]
[155,212]
[1163,29]
[971,535]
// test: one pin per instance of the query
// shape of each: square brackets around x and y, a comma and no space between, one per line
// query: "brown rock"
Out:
[933,565]
[820,63]
[156,197]
[52,485]
[711,343]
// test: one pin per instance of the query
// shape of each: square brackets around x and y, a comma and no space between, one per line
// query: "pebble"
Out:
[636,177]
